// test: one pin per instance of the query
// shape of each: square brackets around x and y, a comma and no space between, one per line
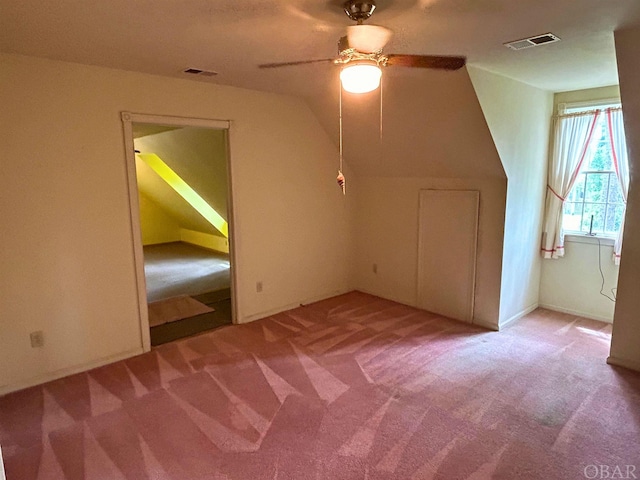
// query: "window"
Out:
[595,204]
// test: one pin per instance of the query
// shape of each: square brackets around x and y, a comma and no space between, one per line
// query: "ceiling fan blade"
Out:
[426,61]
[301,62]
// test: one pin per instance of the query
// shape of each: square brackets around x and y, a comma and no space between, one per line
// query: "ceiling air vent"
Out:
[532,41]
[202,73]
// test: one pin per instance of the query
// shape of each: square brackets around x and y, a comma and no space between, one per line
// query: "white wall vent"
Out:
[532,41]
[199,71]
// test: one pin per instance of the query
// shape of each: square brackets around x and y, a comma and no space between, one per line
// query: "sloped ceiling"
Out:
[144,129]
[198,156]
[167,199]
[432,126]
[232,37]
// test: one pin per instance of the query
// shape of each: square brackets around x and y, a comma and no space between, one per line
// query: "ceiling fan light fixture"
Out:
[368,38]
[360,77]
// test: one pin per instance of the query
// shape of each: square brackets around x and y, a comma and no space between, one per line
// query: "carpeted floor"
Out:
[173,269]
[353,387]
[177,269]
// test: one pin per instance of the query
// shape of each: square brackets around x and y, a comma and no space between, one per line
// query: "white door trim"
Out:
[2,474]
[128,119]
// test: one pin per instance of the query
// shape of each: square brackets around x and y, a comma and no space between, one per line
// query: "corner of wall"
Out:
[508,105]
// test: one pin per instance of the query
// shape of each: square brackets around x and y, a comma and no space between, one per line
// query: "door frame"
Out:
[128,119]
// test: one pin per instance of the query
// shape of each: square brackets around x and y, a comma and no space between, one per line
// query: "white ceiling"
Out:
[232,37]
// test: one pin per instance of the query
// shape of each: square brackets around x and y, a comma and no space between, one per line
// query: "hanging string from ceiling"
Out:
[340,179]
[381,83]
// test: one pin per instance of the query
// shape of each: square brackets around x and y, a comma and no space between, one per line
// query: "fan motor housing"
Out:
[359,11]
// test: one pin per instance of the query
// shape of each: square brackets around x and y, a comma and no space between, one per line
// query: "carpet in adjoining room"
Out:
[173,269]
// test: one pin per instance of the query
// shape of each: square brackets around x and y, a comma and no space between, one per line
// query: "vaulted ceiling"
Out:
[232,37]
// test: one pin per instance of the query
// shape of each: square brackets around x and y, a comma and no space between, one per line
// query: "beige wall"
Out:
[519,118]
[212,242]
[625,344]
[155,224]
[67,260]
[387,235]
[432,127]
[587,95]
[434,136]
[572,284]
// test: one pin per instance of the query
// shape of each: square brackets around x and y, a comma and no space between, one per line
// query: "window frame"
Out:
[567,108]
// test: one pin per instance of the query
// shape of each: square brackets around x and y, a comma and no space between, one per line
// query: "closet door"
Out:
[447,243]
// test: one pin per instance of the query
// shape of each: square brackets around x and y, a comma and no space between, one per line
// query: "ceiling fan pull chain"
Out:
[381,83]
[340,179]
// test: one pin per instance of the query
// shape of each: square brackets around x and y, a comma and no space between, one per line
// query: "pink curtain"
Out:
[572,137]
[618,141]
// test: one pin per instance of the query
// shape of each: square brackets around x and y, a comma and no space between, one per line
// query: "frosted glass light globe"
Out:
[360,77]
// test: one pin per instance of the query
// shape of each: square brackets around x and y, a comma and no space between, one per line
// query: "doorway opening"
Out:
[180,197]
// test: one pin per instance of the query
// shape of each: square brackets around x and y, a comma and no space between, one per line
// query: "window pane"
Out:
[601,148]
[572,216]
[597,211]
[577,192]
[614,219]
[596,187]
[615,194]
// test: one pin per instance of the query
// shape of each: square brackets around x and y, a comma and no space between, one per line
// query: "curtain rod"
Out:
[587,112]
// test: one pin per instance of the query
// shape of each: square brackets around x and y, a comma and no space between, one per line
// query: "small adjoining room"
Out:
[181,178]
[379,240]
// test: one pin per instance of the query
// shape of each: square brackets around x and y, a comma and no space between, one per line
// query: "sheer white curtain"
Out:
[572,137]
[621,164]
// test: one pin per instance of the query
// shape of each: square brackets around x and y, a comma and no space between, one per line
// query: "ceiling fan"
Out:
[360,52]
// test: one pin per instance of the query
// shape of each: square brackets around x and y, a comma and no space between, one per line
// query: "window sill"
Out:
[589,239]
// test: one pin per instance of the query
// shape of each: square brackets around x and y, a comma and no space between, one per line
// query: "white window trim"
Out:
[589,105]
[573,236]
[597,235]
[578,237]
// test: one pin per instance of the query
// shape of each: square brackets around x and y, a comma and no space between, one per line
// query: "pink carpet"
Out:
[354,387]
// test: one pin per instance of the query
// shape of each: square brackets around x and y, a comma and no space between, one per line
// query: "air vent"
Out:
[532,41]
[202,73]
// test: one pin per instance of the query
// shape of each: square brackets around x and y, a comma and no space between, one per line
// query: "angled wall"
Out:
[198,156]
[67,261]
[519,118]
[434,136]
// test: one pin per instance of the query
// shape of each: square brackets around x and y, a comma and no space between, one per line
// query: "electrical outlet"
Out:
[375,268]
[37,339]
[258,287]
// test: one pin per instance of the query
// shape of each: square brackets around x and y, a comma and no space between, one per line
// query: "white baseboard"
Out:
[489,326]
[284,308]
[477,322]
[389,297]
[577,313]
[205,240]
[520,314]
[621,362]
[64,372]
